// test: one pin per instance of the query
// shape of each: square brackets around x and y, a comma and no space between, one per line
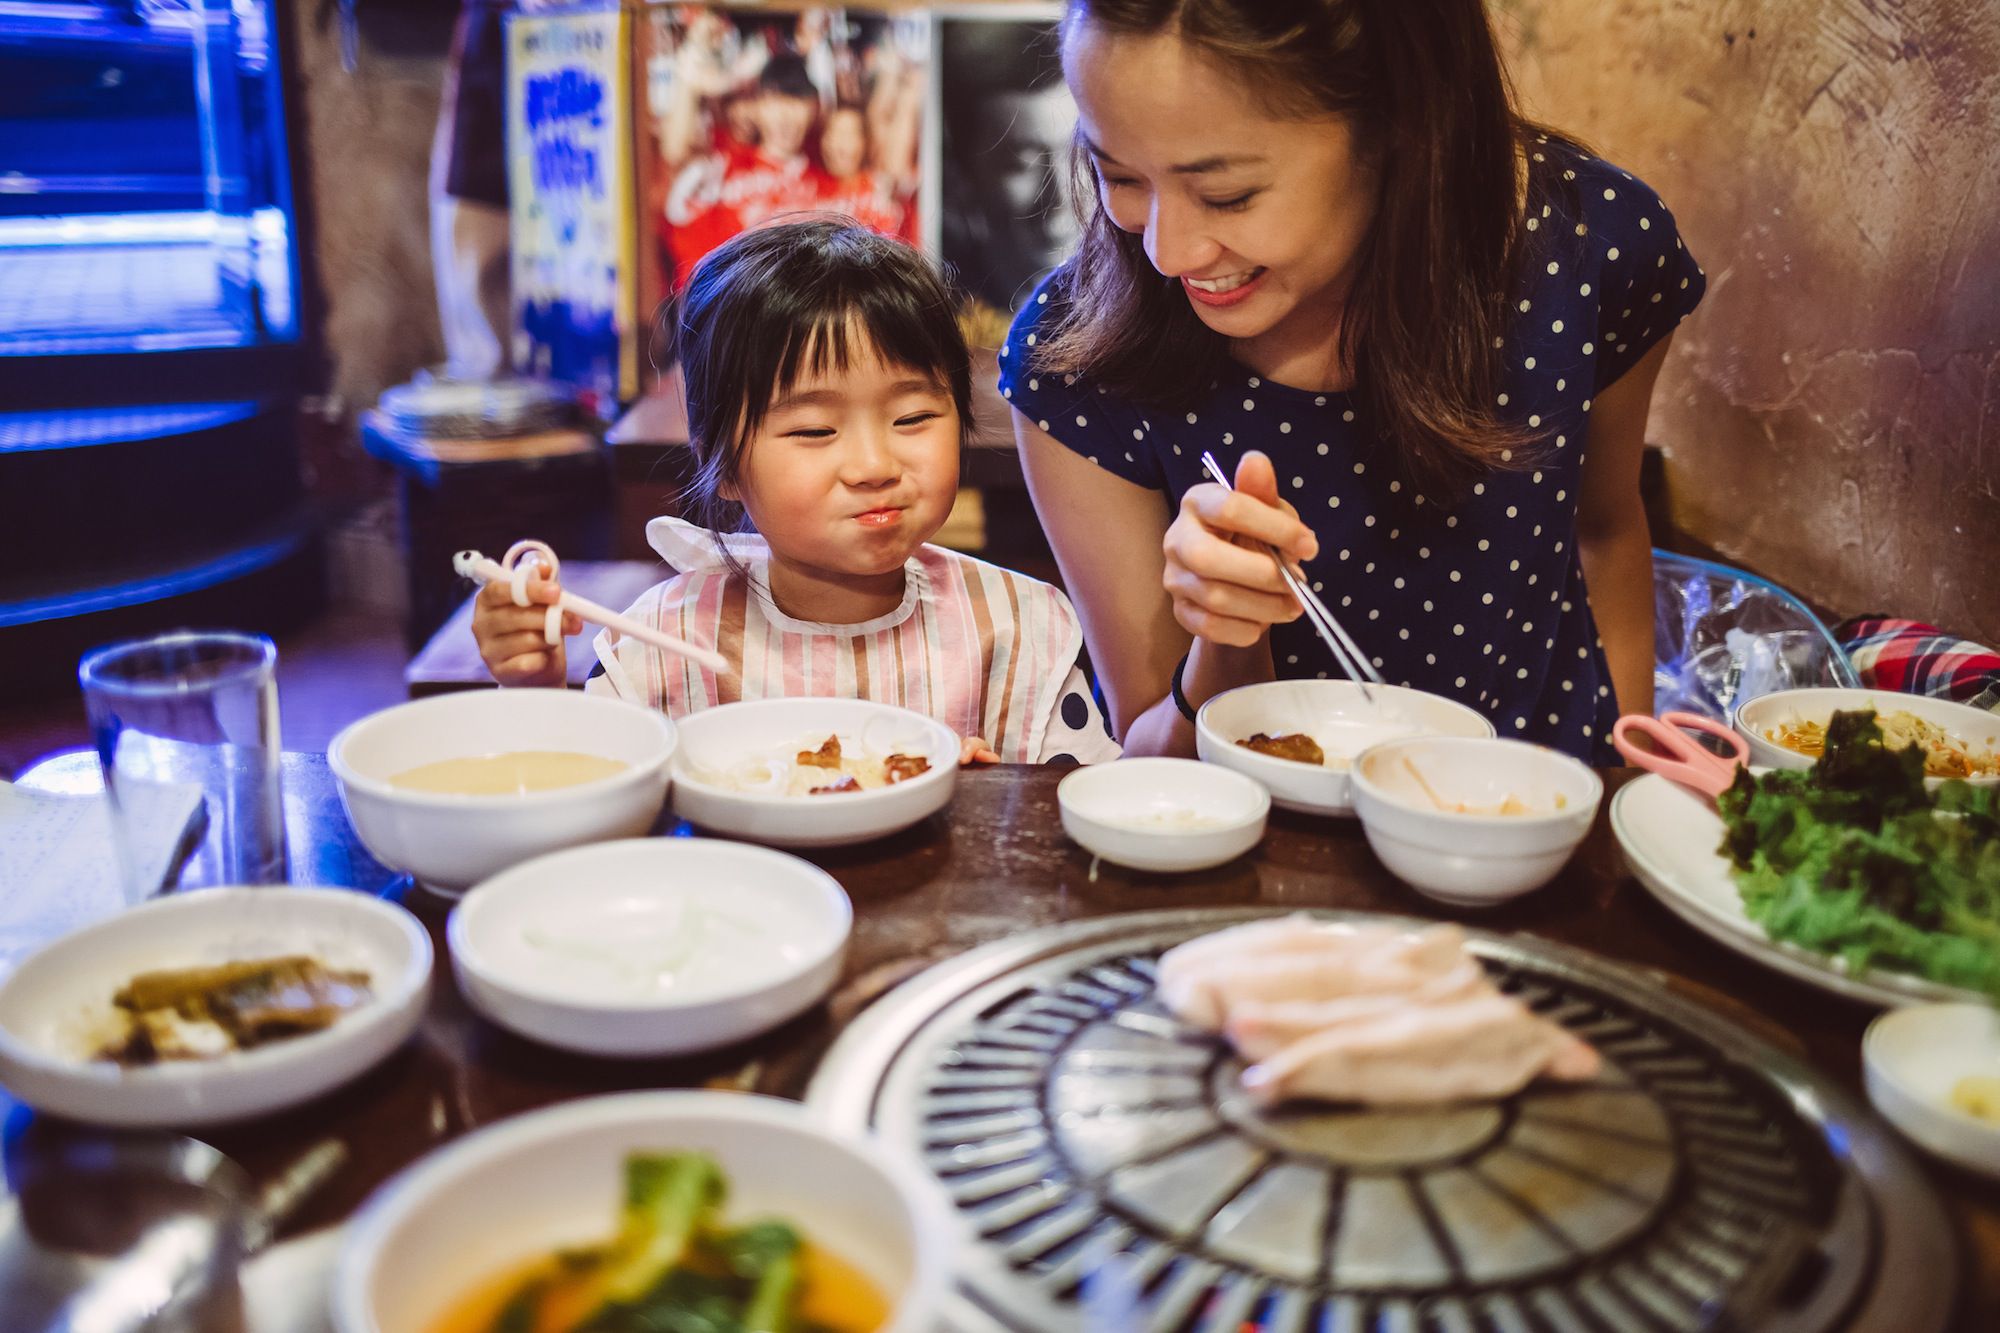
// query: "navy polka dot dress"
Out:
[1484,604]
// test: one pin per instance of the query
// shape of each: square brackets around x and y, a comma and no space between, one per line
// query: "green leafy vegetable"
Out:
[1855,858]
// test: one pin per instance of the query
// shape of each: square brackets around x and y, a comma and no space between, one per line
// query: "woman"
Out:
[1422,331]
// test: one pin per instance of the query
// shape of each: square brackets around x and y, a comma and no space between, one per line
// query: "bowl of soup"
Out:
[647,1199]
[458,787]
[1300,737]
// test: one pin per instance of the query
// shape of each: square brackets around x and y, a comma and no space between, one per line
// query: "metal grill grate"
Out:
[1072,1119]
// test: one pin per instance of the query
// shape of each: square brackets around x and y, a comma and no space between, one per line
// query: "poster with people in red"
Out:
[757,115]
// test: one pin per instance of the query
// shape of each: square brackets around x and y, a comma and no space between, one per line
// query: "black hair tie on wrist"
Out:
[1180,699]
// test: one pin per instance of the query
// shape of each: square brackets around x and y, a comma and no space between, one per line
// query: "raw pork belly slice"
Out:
[1365,1014]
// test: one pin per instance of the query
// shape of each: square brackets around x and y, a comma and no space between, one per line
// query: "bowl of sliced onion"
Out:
[808,772]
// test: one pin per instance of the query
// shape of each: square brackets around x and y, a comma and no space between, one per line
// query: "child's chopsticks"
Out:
[514,570]
[1350,657]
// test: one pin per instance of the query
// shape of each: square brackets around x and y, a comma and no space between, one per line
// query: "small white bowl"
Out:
[1975,728]
[651,946]
[1332,712]
[56,1007]
[552,1179]
[452,842]
[1473,860]
[1911,1060]
[1163,814]
[717,741]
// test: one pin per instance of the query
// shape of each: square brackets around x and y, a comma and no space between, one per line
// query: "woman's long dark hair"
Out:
[1431,107]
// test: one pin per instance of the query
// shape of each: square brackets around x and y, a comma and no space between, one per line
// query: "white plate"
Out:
[553,1178]
[55,1006]
[717,741]
[1670,835]
[1163,815]
[652,946]
[1332,712]
[1911,1060]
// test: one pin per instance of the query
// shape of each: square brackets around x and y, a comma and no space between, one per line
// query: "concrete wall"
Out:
[1831,413]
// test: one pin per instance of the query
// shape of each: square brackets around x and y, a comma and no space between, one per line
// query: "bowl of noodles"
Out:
[809,772]
[1788,730]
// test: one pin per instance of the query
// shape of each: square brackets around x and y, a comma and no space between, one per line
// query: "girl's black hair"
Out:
[794,299]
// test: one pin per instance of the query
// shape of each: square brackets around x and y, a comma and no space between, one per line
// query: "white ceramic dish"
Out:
[1975,728]
[1332,712]
[1669,836]
[452,842]
[1163,814]
[552,1179]
[56,1007]
[1473,860]
[1911,1060]
[735,737]
[650,946]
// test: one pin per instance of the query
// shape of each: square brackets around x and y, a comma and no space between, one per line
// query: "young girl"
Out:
[829,394]
[1421,331]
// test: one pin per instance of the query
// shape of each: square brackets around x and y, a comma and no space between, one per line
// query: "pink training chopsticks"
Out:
[518,565]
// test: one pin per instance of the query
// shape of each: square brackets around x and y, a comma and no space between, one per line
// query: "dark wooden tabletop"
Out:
[993,864]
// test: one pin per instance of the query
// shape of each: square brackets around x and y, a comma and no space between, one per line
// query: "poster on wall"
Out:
[757,114]
[573,201]
[1005,125]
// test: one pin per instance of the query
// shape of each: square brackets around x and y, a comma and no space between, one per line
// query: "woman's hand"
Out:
[510,637]
[974,750]
[1223,584]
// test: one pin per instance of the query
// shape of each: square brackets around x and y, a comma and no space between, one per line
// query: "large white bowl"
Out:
[552,1179]
[1332,712]
[1975,728]
[1473,860]
[452,842]
[1163,814]
[652,946]
[1912,1059]
[55,1007]
[720,740]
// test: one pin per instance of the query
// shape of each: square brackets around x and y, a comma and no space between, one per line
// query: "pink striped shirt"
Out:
[987,651]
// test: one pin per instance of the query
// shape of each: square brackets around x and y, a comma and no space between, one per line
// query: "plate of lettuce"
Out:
[1851,874]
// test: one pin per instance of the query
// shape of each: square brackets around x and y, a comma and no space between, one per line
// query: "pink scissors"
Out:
[1676,755]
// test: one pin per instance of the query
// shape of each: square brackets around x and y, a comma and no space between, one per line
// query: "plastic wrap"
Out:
[1722,636]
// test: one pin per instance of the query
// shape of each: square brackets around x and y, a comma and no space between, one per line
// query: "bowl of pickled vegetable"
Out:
[651,1210]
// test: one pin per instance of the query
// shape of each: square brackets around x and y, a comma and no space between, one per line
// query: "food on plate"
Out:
[1169,821]
[197,1013]
[1978,1095]
[1854,857]
[1295,746]
[828,767]
[1945,756]
[514,773]
[674,1267]
[1363,1014]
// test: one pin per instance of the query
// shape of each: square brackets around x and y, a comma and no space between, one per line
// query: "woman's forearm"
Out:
[1211,669]
[1618,567]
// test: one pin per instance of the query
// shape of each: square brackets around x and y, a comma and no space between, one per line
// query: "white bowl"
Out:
[1163,814]
[652,946]
[452,842]
[720,740]
[1911,1060]
[1332,712]
[552,1179]
[55,1008]
[1473,860]
[1975,728]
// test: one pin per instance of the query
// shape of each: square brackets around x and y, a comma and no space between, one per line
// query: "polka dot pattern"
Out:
[1464,588]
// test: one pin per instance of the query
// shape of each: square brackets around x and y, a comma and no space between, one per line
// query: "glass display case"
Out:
[145,201]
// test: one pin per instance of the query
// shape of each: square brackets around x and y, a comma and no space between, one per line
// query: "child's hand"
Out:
[510,637]
[974,750]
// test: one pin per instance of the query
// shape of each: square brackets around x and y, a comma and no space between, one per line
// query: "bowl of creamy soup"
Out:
[458,787]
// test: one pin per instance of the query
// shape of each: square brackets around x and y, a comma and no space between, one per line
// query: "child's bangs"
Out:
[858,326]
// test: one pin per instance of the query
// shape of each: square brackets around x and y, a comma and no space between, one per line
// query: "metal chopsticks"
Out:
[1345,651]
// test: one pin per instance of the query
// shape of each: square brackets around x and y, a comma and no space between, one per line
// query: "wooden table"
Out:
[995,864]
